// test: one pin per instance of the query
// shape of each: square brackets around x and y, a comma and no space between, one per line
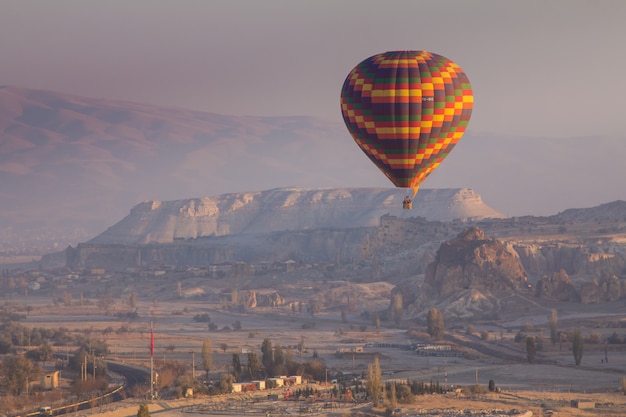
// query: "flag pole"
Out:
[151,362]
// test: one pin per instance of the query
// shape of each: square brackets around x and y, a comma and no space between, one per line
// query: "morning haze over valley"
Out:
[198,213]
[75,166]
[301,254]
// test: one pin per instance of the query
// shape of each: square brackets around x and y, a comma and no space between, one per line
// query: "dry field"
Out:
[520,403]
[536,388]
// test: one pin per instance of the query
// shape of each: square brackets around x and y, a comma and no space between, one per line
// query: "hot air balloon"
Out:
[406,110]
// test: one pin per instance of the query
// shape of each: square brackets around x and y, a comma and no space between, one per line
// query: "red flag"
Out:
[151,342]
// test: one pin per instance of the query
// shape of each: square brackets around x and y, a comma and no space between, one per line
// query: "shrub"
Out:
[593,337]
[615,339]
[202,318]
[474,389]
[143,410]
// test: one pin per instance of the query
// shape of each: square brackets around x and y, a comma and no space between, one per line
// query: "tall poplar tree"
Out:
[554,321]
[397,307]
[435,323]
[531,350]
[577,346]
[374,381]
[268,354]
[253,365]
[279,357]
[207,358]
[236,366]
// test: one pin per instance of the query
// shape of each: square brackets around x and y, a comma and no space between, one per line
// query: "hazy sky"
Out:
[544,69]
[548,68]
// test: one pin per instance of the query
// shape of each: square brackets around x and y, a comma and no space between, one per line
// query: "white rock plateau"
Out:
[286,209]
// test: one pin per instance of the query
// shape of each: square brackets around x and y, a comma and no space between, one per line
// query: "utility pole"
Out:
[151,361]
[193,365]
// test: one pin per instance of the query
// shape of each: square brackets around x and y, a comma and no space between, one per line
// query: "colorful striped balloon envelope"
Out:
[406,110]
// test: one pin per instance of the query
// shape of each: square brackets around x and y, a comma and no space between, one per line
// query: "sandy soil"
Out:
[524,403]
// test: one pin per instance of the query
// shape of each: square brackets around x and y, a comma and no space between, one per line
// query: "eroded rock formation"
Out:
[557,287]
[472,261]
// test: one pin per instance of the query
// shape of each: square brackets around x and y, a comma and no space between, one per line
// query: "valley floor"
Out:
[549,384]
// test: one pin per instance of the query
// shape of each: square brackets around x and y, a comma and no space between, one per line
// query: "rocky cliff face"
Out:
[467,276]
[340,246]
[249,299]
[575,259]
[285,209]
[470,271]
[472,261]
[609,288]
[557,287]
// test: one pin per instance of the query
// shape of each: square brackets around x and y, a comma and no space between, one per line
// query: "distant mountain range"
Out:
[70,167]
